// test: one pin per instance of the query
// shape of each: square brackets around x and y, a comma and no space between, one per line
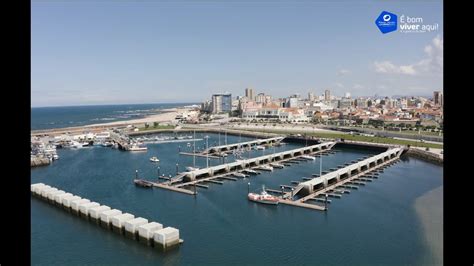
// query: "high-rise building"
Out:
[221,103]
[249,94]
[438,98]
[347,95]
[292,102]
[260,98]
[327,95]
[311,96]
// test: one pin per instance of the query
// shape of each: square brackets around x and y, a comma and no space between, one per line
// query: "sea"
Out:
[70,116]
[376,224]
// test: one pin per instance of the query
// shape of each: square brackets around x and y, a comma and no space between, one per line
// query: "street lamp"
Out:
[177,168]
[325,201]
[292,189]
[136,174]
[248,188]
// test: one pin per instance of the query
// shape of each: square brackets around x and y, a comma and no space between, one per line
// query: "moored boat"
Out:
[142,183]
[263,197]
[154,159]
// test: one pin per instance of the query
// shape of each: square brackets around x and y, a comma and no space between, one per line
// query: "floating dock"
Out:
[136,228]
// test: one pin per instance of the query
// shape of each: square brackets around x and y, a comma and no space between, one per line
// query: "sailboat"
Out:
[192,168]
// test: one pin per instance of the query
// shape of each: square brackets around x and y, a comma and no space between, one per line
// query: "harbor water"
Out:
[374,225]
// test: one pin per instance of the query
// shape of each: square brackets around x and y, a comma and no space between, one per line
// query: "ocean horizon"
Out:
[80,115]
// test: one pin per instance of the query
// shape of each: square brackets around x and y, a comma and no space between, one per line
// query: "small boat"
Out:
[106,144]
[190,168]
[260,147]
[308,157]
[250,171]
[55,157]
[142,183]
[264,168]
[277,165]
[263,197]
[239,175]
[154,159]
[136,147]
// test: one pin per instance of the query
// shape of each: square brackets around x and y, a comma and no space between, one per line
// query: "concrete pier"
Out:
[106,218]
[166,238]
[66,202]
[76,203]
[118,222]
[247,144]
[150,233]
[94,213]
[146,232]
[84,209]
[131,227]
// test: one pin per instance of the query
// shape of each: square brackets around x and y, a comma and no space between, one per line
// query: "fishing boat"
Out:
[154,159]
[263,197]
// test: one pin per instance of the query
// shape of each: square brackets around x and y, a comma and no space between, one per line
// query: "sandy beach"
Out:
[168,115]
[429,208]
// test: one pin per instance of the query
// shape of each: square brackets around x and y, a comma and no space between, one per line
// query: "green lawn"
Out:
[356,138]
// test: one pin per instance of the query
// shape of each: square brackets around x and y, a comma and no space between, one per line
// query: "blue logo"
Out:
[386,22]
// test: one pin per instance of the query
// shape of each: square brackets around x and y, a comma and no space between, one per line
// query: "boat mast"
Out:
[207,152]
[194,148]
[320,164]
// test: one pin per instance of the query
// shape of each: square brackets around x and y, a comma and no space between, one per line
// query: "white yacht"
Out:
[138,147]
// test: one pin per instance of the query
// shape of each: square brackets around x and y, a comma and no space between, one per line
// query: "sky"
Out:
[118,52]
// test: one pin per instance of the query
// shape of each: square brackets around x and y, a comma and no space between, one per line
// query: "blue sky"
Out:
[108,52]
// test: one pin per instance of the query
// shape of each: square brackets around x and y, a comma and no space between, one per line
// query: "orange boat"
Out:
[263,197]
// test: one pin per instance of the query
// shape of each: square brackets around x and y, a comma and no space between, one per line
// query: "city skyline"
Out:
[124,55]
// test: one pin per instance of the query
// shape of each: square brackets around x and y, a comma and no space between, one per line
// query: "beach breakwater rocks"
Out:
[126,224]
[425,155]
[39,161]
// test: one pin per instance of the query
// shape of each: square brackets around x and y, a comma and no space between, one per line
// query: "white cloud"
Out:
[389,68]
[433,63]
[343,72]
[339,85]
[357,86]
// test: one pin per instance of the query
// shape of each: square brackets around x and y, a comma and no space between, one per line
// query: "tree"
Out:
[155,124]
